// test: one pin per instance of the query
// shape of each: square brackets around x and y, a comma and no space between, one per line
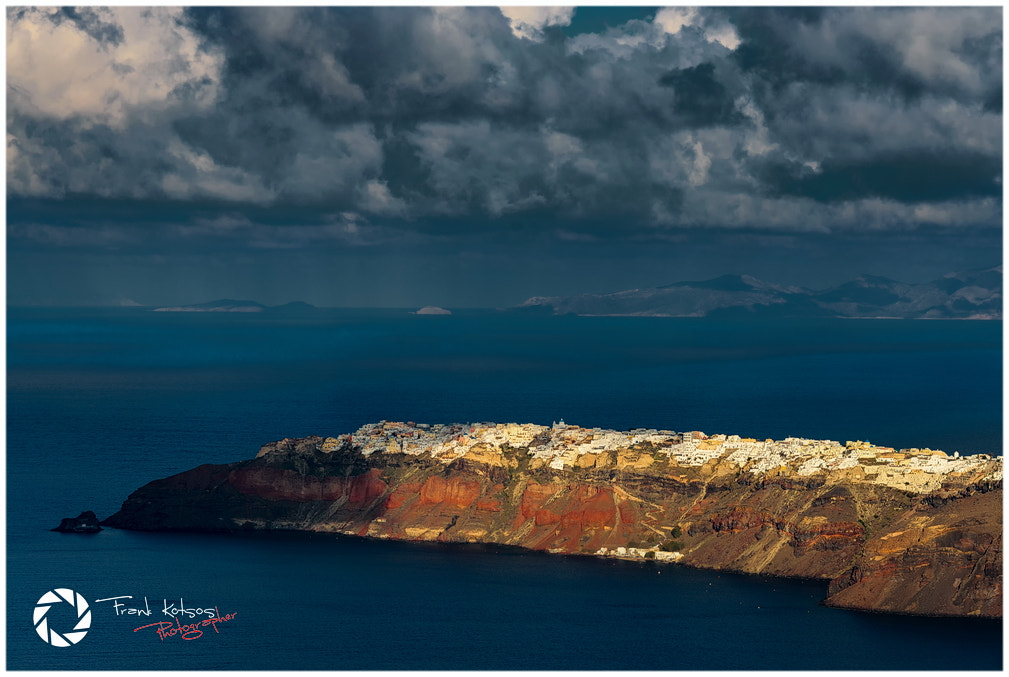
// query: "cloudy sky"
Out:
[478,156]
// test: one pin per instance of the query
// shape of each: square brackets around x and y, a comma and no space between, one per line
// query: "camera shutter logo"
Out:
[61,596]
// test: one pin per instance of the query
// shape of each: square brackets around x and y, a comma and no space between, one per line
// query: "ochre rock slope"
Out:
[910,531]
[937,559]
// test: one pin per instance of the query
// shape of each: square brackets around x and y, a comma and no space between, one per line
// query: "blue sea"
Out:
[102,401]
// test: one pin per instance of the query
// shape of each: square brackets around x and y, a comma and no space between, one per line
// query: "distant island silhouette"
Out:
[233,306]
[973,295]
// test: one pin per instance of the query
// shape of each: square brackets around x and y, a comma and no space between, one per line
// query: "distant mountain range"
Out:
[233,306]
[967,295]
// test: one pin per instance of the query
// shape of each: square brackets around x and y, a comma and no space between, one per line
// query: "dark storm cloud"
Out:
[700,98]
[912,52]
[818,119]
[913,177]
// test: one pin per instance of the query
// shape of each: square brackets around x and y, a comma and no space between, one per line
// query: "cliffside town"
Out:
[567,447]
[909,530]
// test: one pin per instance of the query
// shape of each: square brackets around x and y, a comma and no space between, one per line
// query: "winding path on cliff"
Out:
[623,493]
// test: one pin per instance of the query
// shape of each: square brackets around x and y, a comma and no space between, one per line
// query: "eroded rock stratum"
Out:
[906,531]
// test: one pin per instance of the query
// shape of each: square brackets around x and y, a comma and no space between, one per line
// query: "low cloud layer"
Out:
[806,120]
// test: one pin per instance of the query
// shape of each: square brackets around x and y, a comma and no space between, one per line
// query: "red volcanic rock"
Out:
[739,518]
[458,492]
[534,496]
[489,505]
[629,513]
[597,505]
[834,536]
[542,517]
[364,488]
[598,516]
[402,494]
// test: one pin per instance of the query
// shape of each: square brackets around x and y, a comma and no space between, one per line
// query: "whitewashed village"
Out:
[563,446]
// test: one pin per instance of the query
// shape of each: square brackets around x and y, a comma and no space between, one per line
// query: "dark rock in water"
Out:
[85,523]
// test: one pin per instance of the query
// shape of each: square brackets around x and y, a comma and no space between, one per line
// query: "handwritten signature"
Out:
[167,629]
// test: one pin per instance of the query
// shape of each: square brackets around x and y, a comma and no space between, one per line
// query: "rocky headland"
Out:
[912,531]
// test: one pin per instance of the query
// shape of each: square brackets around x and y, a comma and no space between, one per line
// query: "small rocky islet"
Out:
[85,523]
[913,531]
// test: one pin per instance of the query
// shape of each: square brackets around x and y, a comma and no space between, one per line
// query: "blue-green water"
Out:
[100,402]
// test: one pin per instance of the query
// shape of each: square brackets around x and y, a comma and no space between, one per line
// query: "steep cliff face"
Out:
[645,494]
[939,559]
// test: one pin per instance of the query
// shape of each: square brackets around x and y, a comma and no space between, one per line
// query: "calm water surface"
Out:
[101,402]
